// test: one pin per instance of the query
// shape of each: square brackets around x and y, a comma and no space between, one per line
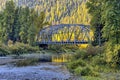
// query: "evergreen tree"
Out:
[16,25]
[111,17]
[32,29]
[1,27]
[24,24]
[8,21]
[20,23]
[95,9]
[40,22]
[111,30]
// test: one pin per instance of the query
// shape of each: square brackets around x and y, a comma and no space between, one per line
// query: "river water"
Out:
[43,71]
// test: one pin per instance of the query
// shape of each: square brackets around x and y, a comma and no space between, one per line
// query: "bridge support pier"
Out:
[44,46]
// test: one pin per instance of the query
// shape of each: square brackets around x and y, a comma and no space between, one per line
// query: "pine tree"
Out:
[32,28]
[8,21]
[16,25]
[111,18]
[95,9]
[24,24]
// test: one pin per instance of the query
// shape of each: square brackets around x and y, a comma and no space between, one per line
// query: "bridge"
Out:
[65,34]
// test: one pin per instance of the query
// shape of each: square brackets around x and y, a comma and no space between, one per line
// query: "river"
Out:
[42,71]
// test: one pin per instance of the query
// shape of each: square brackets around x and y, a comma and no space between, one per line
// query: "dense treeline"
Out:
[104,57]
[20,23]
[106,19]
[59,11]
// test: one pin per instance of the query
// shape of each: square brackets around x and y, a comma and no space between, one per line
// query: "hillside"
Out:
[58,11]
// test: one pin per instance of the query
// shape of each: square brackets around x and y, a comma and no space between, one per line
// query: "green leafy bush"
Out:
[112,54]
[94,50]
[91,78]
[98,60]
[78,70]
[56,48]
[86,71]
[20,48]
[4,50]
[63,48]
[74,64]
[79,54]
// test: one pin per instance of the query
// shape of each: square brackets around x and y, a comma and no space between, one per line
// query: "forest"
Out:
[58,11]
[21,21]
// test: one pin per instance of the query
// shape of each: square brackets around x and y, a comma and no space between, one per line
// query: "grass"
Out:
[27,62]
[95,64]
[91,78]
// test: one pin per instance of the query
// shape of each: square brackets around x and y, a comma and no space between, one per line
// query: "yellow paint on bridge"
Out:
[64,37]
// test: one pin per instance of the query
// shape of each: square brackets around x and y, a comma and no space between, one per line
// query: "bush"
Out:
[63,48]
[4,50]
[86,71]
[91,78]
[20,48]
[56,48]
[92,51]
[73,65]
[98,60]
[78,70]
[112,54]
[79,54]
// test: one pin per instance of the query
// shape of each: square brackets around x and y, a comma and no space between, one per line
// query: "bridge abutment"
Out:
[44,46]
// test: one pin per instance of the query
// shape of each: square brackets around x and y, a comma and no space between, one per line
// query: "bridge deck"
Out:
[63,42]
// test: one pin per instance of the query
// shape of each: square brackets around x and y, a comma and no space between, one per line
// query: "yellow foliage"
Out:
[10,43]
[111,52]
[81,16]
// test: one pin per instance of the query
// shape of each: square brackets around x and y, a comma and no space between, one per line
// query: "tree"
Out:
[40,22]
[1,27]
[95,9]
[111,30]
[20,23]
[24,24]
[32,29]
[16,25]
[111,18]
[8,21]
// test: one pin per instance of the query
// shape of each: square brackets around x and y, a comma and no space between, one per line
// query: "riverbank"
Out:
[43,71]
[40,71]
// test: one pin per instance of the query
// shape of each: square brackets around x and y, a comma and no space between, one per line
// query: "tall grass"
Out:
[17,49]
[4,50]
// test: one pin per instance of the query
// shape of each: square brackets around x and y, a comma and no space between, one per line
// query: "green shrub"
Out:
[63,48]
[4,50]
[74,64]
[79,54]
[98,60]
[112,54]
[56,48]
[27,62]
[91,78]
[78,70]
[88,71]
[94,50]
[20,48]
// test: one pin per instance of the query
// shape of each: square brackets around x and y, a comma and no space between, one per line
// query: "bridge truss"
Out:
[65,34]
